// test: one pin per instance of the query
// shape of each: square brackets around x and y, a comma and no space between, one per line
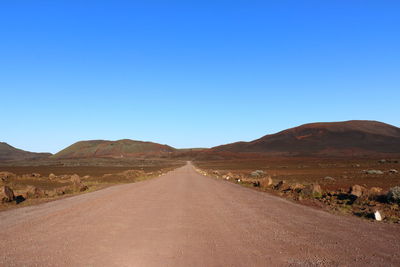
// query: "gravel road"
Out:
[186,219]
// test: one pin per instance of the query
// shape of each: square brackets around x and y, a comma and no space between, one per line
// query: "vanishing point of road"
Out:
[186,219]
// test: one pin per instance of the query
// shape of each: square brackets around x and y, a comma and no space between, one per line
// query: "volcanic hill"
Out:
[8,153]
[112,149]
[348,138]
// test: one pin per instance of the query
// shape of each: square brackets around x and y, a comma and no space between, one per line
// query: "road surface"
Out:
[186,219]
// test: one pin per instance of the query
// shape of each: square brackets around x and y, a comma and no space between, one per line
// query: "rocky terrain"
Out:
[186,219]
[334,157]
[369,189]
[23,189]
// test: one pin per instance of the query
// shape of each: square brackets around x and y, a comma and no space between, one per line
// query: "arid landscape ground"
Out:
[186,219]
[199,133]
[132,203]
[357,187]
[43,183]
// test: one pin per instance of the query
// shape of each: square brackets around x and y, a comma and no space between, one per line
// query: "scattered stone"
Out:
[357,190]
[78,186]
[6,194]
[81,187]
[375,191]
[388,161]
[373,172]
[257,174]
[60,191]
[6,176]
[64,177]
[216,173]
[36,175]
[312,190]
[393,171]
[75,179]
[328,178]
[34,192]
[266,182]
[51,193]
[298,187]
[282,186]
[378,216]
[52,176]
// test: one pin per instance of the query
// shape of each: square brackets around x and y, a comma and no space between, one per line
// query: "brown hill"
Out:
[112,149]
[349,138]
[9,153]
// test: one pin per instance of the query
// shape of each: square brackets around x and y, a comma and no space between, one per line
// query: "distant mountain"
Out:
[9,153]
[348,138]
[112,149]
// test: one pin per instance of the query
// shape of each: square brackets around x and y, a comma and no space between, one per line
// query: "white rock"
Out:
[378,216]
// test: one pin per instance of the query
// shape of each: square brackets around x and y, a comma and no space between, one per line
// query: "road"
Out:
[186,219]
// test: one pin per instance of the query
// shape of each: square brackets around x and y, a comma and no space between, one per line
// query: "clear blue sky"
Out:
[192,73]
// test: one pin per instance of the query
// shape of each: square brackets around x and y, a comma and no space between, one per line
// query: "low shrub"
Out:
[394,194]
[257,173]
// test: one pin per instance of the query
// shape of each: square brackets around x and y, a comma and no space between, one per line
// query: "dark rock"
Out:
[282,186]
[6,194]
[297,187]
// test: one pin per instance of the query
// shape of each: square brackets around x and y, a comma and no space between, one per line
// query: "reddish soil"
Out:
[94,171]
[345,172]
[185,219]
[82,171]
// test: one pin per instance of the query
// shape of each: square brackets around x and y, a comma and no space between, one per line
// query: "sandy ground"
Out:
[185,219]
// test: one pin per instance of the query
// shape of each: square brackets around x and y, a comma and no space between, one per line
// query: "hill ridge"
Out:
[354,137]
[10,153]
[112,149]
